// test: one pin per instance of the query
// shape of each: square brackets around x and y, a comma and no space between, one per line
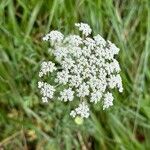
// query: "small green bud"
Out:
[78,120]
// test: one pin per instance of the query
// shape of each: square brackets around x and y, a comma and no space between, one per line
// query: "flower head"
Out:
[67,95]
[82,110]
[46,90]
[85,28]
[86,70]
[46,67]
[108,100]
[54,36]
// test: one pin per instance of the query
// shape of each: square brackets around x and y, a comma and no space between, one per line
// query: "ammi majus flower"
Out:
[87,67]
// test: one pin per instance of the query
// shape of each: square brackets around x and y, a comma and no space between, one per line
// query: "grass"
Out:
[25,123]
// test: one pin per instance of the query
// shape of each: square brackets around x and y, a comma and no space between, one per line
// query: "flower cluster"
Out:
[82,110]
[47,90]
[46,67]
[87,68]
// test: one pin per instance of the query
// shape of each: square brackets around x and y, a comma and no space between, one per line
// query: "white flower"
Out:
[60,53]
[99,40]
[47,90]
[46,67]
[54,36]
[77,69]
[40,74]
[97,84]
[86,69]
[68,63]
[115,65]
[90,43]
[108,100]
[119,83]
[82,61]
[115,81]
[86,52]
[62,77]
[102,74]
[74,40]
[96,96]
[44,99]
[67,95]
[75,51]
[112,67]
[75,80]
[86,73]
[40,84]
[115,50]
[73,113]
[83,90]
[82,110]
[85,28]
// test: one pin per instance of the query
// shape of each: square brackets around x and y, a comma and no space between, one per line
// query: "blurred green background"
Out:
[26,123]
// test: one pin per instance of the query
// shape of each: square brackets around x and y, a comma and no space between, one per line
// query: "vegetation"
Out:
[26,123]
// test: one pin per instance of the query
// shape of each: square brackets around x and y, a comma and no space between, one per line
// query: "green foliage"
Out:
[26,123]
